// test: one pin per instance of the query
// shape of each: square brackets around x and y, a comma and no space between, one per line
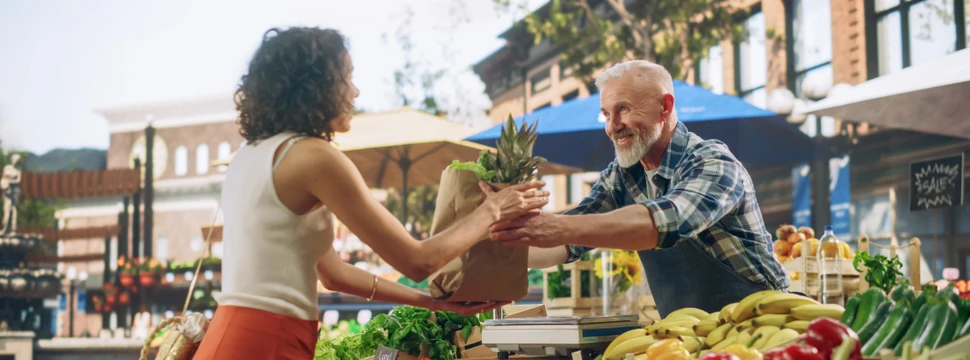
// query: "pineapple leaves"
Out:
[514,163]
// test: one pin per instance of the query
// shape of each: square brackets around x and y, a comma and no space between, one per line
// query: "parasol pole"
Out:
[404,162]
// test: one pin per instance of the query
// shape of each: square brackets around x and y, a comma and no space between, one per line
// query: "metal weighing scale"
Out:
[555,336]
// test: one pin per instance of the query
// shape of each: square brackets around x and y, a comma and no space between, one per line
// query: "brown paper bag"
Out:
[489,271]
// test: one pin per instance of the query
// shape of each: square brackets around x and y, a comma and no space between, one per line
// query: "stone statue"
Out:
[10,189]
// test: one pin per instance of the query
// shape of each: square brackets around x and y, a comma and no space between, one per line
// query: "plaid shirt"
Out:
[706,195]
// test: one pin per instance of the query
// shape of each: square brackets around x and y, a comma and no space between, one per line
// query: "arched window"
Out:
[181,161]
[222,153]
[202,159]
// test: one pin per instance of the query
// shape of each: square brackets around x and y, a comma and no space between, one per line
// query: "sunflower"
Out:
[626,269]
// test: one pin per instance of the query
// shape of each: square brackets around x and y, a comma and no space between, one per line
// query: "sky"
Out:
[61,60]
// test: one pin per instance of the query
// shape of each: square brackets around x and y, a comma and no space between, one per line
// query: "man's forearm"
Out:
[627,228]
[541,258]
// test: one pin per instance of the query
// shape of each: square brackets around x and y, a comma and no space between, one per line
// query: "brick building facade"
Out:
[190,135]
[789,42]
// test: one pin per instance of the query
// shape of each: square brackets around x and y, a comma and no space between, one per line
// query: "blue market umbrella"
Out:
[574,134]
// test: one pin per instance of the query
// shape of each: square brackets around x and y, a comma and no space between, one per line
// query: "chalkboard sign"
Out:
[936,183]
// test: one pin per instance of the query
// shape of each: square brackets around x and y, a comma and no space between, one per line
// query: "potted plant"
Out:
[127,270]
[124,298]
[211,263]
[110,294]
[98,303]
[149,271]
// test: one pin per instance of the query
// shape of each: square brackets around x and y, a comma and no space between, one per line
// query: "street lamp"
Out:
[71,276]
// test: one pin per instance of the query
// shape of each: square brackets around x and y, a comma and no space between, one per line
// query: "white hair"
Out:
[645,72]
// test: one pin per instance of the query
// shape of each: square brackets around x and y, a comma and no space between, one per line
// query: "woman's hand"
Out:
[515,200]
[464,309]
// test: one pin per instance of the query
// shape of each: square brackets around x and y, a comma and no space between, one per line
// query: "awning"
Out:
[573,133]
[932,97]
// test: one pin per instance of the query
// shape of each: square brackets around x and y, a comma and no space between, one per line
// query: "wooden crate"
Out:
[959,349]
[810,286]
[807,264]
[575,304]
[915,256]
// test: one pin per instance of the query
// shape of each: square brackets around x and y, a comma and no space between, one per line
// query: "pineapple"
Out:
[515,163]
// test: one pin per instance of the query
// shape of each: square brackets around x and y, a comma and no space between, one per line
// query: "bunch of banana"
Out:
[679,324]
[635,341]
[682,322]
[772,317]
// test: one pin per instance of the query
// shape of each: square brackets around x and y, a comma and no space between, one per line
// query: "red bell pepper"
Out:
[825,335]
[794,352]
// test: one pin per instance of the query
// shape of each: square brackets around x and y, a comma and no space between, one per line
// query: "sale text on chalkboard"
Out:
[936,183]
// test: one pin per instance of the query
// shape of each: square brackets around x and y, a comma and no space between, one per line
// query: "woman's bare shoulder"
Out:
[313,154]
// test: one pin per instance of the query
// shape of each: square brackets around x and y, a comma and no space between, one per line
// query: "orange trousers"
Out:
[238,333]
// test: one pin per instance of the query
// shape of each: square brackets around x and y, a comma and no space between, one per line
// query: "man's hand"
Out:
[541,230]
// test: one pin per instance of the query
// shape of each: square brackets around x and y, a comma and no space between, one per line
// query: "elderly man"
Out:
[696,221]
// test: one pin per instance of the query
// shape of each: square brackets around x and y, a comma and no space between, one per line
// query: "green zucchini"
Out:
[963,313]
[920,302]
[934,325]
[851,308]
[947,328]
[903,291]
[870,301]
[929,291]
[875,321]
[914,330]
[964,331]
[947,295]
[891,330]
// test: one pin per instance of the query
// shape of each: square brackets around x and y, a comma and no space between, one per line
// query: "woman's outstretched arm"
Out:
[336,182]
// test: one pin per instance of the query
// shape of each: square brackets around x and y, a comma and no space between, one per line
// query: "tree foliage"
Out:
[421,204]
[594,34]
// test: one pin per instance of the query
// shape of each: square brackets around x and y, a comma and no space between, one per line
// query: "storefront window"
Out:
[932,30]
[822,76]
[712,70]
[752,60]
[812,34]
[890,44]
[916,31]
[811,27]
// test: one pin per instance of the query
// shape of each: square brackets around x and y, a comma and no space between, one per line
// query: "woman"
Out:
[284,186]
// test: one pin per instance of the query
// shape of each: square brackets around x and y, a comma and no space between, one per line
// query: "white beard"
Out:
[632,153]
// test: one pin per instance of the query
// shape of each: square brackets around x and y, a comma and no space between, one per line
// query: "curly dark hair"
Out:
[297,81]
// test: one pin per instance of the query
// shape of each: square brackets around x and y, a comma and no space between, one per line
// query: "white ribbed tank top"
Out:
[269,253]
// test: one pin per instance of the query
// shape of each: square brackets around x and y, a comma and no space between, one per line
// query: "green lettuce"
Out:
[480,171]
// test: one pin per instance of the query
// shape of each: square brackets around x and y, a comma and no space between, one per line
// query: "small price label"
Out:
[951,273]
[385,353]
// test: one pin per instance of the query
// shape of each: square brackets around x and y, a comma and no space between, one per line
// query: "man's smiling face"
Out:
[634,117]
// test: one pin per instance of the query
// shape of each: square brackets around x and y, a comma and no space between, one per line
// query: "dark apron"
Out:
[686,275]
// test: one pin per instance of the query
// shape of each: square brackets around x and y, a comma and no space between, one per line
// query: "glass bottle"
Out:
[829,259]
